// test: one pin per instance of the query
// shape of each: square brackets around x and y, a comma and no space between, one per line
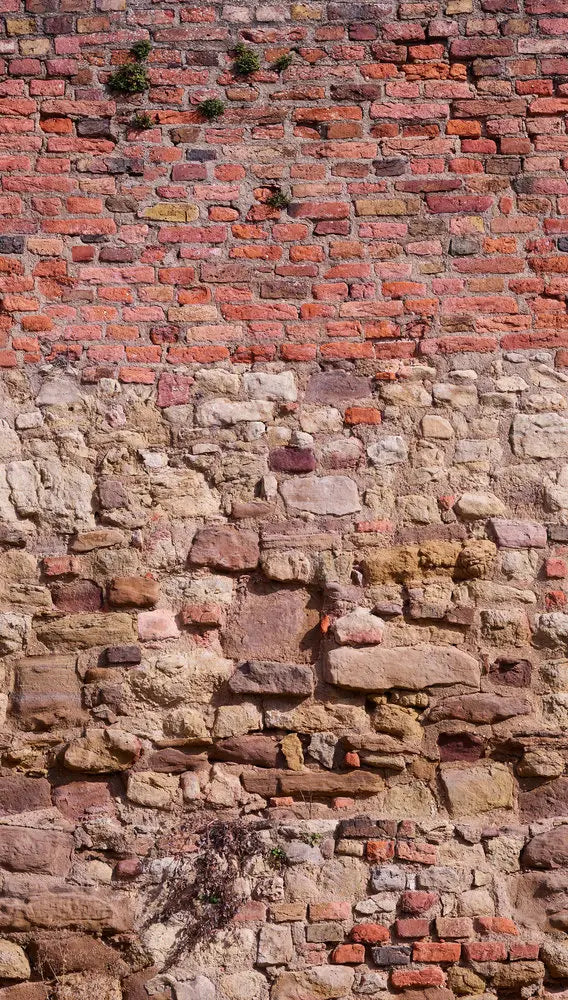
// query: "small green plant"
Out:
[140,51]
[283,62]
[277,857]
[278,199]
[142,121]
[211,108]
[246,60]
[313,839]
[132,78]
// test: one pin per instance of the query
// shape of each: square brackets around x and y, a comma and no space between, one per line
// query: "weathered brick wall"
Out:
[284,500]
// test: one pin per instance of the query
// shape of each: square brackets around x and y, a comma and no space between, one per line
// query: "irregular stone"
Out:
[179,492]
[415,668]
[515,975]
[151,790]
[324,495]
[477,788]
[13,961]
[261,751]
[312,717]
[390,450]
[550,798]
[552,630]
[225,413]
[268,385]
[326,783]
[554,954]
[292,750]
[47,692]
[58,954]
[19,794]
[292,460]
[133,591]
[359,627]
[436,427]
[472,506]
[153,625]
[102,751]
[542,435]
[275,946]
[511,672]
[547,850]
[323,747]
[77,986]
[80,595]
[271,624]
[236,720]
[102,538]
[225,548]
[315,982]
[518,534]
[265,677]
[487,707]
[25,850]
[335,388]
[79,798]
[85,630]
[58,392]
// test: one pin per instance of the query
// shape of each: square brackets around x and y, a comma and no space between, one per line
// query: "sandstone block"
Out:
[324,495]
[13,961]
[477,788]
[23,849]
[47,692]
[413,667]
[85,630]
[102,751]
[133,591]
[225,548]
[265,677]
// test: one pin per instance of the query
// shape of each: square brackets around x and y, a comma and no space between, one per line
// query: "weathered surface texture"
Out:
[284,499]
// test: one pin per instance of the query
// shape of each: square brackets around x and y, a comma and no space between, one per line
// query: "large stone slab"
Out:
[47,692]
[25,850]
[321,495]
[542,435]
[547,850]
[477,788]
[266,677]
[83,631]
[414,667]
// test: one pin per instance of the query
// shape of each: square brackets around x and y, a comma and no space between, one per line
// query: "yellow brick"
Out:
[371,206]
[34,47]
[459,7]
[192,313]
[19,26]
[303,12]
[176,212]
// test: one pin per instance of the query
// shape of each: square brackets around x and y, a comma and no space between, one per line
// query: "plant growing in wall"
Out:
[199,890]
[132,77]
[283,62]
[278,199]
[142,121]
[211,108]
[246,60]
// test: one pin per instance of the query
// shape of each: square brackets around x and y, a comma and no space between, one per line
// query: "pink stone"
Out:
[157,625]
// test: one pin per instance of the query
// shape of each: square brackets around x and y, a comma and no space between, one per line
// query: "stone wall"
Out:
[284,500]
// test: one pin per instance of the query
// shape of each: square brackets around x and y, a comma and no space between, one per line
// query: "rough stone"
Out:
[225,548]
[324,495]
[264,677]
[417,667]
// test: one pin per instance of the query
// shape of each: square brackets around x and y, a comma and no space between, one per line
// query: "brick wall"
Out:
[284,500]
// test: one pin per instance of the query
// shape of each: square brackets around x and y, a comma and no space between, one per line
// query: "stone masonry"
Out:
[284,499]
